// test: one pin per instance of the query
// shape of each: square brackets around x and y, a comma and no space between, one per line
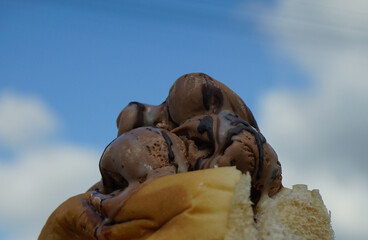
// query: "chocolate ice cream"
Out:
[197,93]
[220,140]
[194,167]
[202,124]
[215,126]
[141,154]
[191,95]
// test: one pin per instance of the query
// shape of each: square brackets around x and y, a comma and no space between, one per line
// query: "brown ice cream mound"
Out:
[213,124]
[194,167]
[140,154]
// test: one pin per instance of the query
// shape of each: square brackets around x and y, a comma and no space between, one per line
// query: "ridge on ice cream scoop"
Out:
[201,124]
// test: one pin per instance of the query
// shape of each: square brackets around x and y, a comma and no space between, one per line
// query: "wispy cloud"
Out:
[41,174]
[24,118]
[320,133]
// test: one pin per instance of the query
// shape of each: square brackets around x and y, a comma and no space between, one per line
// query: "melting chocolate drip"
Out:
[237,121]
[140,118]
[169,144]
[198,164]
[255,195]
[253,121]
[206,125]
[260,140]
[212,96]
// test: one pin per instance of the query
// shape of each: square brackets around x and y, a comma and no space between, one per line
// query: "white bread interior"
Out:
[212,204]
[240,223]
[295,214]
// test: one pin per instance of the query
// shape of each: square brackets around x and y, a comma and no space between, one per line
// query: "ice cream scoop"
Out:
[137,114]
[141,154]
[217,127]
[194,167]
[197,93]
[191,95]
[223,139]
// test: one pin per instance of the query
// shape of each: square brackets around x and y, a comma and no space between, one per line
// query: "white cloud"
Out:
[38,178]
[320,133]
[24,118]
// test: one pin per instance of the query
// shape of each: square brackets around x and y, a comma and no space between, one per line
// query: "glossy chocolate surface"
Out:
[201,124]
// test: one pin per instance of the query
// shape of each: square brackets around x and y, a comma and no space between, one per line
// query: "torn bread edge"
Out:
[296,213]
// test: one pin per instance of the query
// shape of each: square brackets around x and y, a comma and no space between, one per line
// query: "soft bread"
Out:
[295,214]
[192,205]
[240,223]
[207,204]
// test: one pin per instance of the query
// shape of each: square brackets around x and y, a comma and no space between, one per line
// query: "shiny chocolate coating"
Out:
[141,154]
[201,124]
[197,93]
[225,140]
[191,95]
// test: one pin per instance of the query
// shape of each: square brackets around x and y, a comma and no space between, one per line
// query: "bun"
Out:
[240,224]
[207,204]
[191,205]
[295,213]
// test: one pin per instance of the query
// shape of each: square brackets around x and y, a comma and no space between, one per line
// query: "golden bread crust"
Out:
[193,205]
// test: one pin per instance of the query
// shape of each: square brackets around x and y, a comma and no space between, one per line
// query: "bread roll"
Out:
[206,204]
[295,213]
[192,205]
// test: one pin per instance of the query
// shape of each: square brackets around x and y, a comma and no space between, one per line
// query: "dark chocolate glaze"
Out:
[235,127]
[255,195]
[212,96]
[198,164]
[253,121]
[140,115]
[169,144]
[206,125]
[260,140]
[212,123]
[232,141]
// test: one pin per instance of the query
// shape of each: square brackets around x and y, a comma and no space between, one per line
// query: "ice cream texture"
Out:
[201,124]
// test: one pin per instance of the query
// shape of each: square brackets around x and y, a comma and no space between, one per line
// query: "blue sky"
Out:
[67,68]
[88,59]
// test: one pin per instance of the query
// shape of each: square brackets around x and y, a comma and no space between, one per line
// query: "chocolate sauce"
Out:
[140,118]
[206,125]
[255,195]
[260,140]
[169,144]
[212,96]
[253,121]
[199,105]
[198,164]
